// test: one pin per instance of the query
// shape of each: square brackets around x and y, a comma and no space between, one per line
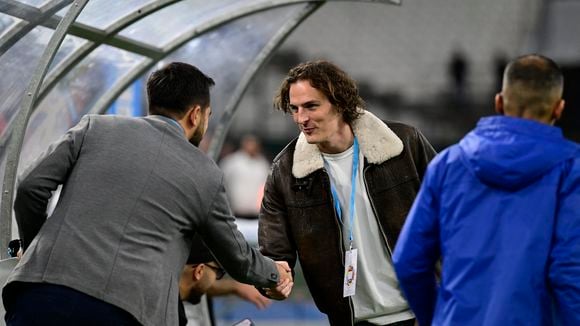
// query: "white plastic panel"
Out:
[68,46]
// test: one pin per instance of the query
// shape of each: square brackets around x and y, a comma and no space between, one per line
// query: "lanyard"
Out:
[355,160]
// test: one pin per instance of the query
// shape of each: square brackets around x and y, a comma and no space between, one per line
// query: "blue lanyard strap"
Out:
[355,162]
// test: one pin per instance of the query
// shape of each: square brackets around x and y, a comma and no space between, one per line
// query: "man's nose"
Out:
[300,116]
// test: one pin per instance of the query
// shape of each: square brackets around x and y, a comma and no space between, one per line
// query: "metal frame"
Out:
[102,106]
[191,34]
[108,36]
[100,37]
[97,38]
[21,121]
[31,17]
[94,38]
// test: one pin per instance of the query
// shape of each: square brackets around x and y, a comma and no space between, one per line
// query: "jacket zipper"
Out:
[350,304]
[375,212]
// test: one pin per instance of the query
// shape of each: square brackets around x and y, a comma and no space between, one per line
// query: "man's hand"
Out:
[285,284]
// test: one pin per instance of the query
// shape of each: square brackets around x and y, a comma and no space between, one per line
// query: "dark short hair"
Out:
[340,89]
[534,83]
[537,72]
[175,88]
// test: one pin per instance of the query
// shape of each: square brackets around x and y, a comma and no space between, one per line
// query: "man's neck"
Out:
[529,116]
[339,142]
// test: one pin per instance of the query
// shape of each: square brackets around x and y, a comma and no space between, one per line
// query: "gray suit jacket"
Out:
[135,191]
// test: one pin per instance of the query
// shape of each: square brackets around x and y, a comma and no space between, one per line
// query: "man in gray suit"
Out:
[135,192]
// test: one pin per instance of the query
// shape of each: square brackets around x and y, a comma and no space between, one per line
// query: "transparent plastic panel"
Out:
[226,53]
[103,13]
[68,46]
[132,102]
[160,28]
[73,97]
[16,68]
[6,23]
[212,52]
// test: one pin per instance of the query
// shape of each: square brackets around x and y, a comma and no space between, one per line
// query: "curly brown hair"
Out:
[333,82]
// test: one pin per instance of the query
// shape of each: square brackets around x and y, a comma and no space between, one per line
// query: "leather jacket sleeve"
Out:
[273,231]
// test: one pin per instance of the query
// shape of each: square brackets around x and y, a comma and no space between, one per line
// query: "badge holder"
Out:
[350,259]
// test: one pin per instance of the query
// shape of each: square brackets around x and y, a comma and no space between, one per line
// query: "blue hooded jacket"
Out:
[502,211]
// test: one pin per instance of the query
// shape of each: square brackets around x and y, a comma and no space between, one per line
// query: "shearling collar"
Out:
[378,143]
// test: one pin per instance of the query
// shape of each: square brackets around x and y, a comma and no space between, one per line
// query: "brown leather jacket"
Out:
[298,220]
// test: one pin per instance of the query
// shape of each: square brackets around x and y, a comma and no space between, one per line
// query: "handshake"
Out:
[285,283]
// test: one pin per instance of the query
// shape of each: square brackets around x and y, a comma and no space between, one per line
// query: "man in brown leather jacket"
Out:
[338,195]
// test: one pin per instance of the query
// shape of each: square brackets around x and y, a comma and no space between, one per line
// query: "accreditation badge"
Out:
[350,273]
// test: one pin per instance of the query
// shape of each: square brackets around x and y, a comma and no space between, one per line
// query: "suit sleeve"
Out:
[230,248]
[417,252]
[45,175]
[564,268]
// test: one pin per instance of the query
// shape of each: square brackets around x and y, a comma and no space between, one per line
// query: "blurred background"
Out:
[433,64]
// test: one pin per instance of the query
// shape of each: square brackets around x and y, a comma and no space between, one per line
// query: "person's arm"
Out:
[242,262]
[564,266]
[46,174]
[244,291]
[274,235]
[417,252]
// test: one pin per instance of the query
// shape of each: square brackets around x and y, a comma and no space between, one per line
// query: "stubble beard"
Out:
[197,137]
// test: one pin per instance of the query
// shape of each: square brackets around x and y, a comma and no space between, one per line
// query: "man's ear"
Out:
[198,272]
[195,116]
[558,109]
[499,104]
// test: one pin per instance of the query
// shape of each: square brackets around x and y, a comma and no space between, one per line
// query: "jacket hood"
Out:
[378,143]
[511,153]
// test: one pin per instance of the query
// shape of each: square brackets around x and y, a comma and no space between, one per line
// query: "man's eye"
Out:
[293,109]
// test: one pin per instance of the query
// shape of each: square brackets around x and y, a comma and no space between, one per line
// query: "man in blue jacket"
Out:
[501,209]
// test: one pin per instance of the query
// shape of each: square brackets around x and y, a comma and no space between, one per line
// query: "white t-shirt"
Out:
[198,314]
[378,298]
